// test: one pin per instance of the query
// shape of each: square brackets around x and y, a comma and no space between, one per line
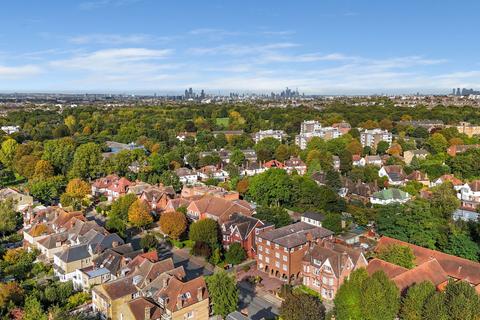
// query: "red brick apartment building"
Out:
[280,251]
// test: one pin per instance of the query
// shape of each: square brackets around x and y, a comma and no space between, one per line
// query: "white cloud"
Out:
[116,39]
[111,59]
[8,72]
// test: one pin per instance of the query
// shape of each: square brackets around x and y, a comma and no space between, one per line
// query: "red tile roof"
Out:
[455,267]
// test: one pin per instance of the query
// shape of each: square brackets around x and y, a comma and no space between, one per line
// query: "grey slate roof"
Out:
[295,234]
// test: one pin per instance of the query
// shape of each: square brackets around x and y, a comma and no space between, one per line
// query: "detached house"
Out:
[419,176]
[243,230]
[457,183]
[326,265]
[110,186]
[186,176]
[469,195]
[394,173]
[295,164]
[373,160]
[208,172]
[22,201]
[157,197]
[388,196]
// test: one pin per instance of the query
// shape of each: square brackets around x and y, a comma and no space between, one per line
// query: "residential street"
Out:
[258,307]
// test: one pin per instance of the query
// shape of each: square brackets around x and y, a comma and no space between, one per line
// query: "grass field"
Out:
[224,122]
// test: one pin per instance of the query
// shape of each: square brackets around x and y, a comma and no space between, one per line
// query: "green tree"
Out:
[8,217]
[435,308]
[282,153]
[149,242]
[59,153]
[302,306]
[380,298]
[223,292]
[33,309]
[237,157]
[117,217]
[412,222]
[444,200]
[86,162]
[397,254]
[7,152]
[275,215]
[382,147]
[205,230]
[413,303]
[235,254]
[47,191]
[463,303]
[349,295]
[272,187]
[460,244]
[169,178]
[266,148]
[437,143]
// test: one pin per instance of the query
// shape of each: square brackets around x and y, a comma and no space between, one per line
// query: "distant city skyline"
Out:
[320,47]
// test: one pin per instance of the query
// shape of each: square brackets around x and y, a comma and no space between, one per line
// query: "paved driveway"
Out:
[258,307]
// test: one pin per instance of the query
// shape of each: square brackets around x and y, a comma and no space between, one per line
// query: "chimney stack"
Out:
[200,294]
[179,302]
[148,312]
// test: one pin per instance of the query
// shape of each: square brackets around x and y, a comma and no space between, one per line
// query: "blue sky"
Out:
[319,46]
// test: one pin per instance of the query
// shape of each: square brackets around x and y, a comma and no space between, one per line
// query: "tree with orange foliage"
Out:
[78,188]
[395,149]
[173,224]
[242,186]
[76,191]
[355,147]
[455,141]
[10,292]
[139,214]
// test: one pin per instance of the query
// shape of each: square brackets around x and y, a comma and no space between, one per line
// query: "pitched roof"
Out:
[295,234]
[244,224]
[273,164]
[314,216]
[391,194]
[427,271]
[187,293]
[455,267]
[336,254]
[475,185]
[140,305]
[221,208]
[390,269]
[450,178]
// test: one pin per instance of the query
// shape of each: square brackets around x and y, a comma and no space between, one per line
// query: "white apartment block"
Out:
[371,138]
[310,129]
[276,134]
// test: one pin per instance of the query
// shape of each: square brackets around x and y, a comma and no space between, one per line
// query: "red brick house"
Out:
[327,265]
[157,197]
[280,251]
[243,229]
[111,186]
